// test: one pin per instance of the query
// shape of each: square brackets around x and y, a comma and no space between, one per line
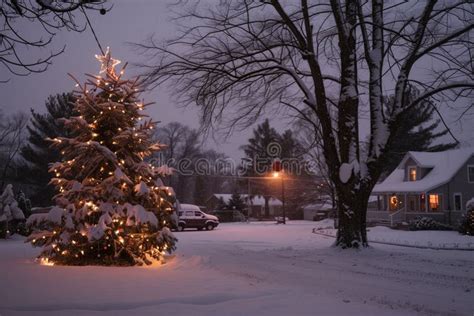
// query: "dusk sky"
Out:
[132,22]
[352,213]
[127,22]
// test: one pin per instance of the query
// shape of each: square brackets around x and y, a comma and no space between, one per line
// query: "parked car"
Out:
[190,216]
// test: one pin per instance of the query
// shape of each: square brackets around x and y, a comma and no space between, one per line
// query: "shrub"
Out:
[427,223]
[24,203]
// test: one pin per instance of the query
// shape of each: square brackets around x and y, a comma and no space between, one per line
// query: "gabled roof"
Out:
[255,200]
[444,166]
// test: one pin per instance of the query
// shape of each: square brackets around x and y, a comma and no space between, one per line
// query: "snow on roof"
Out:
[444,166]
[255,200]
[323,205]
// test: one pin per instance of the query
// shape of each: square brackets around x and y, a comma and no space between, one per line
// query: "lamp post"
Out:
[278,174]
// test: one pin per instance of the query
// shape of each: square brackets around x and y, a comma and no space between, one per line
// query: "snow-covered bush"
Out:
[24,203]
[10,214]
[467,223]
[427,223]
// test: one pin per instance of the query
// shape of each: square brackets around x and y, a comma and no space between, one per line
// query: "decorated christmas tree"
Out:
[467,222]
[111,207]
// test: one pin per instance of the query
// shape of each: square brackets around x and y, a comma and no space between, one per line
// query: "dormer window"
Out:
[412,173]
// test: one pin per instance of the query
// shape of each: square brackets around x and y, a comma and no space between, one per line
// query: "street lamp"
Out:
[278,173]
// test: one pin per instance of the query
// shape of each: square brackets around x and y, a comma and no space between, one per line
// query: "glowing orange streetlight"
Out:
[277,173]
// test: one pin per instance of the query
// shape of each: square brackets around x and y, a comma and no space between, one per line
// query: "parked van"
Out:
[190,216]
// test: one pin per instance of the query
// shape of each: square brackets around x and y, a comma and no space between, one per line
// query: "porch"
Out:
[395,208]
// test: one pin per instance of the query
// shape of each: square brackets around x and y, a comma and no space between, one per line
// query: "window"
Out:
[198,214]
[180,214]
[189,213]
[434,201]
[457,201]
[412,173]
[470,173]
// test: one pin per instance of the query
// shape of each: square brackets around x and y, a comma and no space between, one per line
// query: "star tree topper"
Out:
[108,63]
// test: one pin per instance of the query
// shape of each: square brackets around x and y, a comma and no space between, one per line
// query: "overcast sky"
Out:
[130,21]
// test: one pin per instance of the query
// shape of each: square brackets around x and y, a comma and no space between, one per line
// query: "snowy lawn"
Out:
[433,239]
[250,269]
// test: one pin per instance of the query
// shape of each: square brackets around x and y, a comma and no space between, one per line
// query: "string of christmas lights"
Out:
[111,206]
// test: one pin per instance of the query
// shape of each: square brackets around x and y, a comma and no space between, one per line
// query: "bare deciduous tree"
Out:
[12,137]
[48,16]
[240,58]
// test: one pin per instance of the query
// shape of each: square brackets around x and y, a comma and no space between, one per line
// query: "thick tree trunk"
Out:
[352,211]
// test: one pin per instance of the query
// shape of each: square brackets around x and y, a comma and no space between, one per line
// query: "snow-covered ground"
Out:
[250,269]
[427,239]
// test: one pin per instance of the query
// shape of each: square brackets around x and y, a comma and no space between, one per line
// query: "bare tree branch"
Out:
[49,17]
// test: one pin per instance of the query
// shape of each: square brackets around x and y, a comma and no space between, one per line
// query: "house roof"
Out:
[321,206]
[255,200]
[444,166]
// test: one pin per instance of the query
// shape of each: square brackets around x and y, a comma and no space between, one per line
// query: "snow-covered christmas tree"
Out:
[10,213]
[467,222]
[111,209]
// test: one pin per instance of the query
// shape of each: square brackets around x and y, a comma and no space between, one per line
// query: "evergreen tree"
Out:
[236,202]
[110,209]
[467,222]
[260,152]
[37,152]
[10,213]
[263,149]
[24,203]
[418,131]
[296,176]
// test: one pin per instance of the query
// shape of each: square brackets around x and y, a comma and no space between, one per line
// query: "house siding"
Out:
[458,184]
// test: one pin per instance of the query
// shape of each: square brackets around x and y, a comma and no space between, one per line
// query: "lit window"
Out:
[434,202]
[412,173]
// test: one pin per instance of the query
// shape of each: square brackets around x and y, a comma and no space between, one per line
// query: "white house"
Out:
[432,184]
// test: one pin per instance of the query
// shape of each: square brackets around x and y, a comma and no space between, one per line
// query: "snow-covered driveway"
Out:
[247,269]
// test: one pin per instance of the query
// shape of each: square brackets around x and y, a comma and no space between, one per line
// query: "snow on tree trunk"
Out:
[352,210]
